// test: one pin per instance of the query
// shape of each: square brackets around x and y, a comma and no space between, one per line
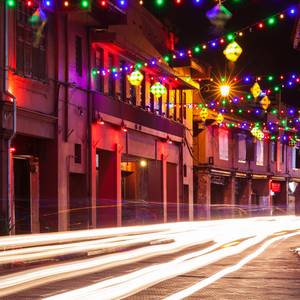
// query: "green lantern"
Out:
[157,89]
[135,78]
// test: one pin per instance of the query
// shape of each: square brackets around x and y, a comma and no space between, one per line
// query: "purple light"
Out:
[222,110]
[292,11]
[290,83]
[257,111]
[291,111]
[235,100]
[152,62]
[48,3]
[247,79]
[293,76]
[272,128]
[212,104]
[181,54]
[213,44]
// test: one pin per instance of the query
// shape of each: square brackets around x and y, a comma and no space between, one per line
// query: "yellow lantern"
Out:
[233,51]
[220,118]
[203,114]
[265,102]
[135,78]
[256,132]
[157,89]
[255,90]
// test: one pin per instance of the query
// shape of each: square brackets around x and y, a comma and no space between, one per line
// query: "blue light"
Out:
[213,44]
[181,54]
[247,79]
[122,3]
[292,11]
[290,83]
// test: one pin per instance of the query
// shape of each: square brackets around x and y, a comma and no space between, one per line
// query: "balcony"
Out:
[135,114]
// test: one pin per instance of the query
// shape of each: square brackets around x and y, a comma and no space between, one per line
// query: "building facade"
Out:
[89,149]
[239,175]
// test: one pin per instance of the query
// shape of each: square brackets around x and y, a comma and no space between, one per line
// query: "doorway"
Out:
[22,195]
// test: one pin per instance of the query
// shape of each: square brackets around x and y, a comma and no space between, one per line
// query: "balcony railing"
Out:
[135,114]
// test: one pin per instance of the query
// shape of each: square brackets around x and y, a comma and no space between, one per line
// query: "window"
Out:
[273,151]
[259,153]
[30,45]
[282,152]
[168,101]
[175,105]
[123,84]
[295,158]
[77,153]
[184,170]
[143,92]
[133,94]
[241,148]
[78,55]
[223,144]
[184,105]
[99,62]
[111,79]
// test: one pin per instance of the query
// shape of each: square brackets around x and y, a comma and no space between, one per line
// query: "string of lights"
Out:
[195,51]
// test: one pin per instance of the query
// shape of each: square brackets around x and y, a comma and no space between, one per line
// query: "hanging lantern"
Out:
[256,132]
[220,118]
[203,114]
[157,89]
[256,90]
[135,78]
[219,15]
[265,102]
[233,51]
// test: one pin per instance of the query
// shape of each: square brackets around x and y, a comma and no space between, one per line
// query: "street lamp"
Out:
[224,90]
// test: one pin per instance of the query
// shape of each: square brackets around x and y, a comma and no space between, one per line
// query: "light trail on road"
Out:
[225,237]
[129,284]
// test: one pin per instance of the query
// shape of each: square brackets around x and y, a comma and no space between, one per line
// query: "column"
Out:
[93,178]
[4,186]
[118,154]
[229,197]
[204,195]
[164,186]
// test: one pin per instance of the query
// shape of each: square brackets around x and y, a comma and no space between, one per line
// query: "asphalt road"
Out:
[228,259]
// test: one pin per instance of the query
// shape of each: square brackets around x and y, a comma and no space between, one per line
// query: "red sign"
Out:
[275,187]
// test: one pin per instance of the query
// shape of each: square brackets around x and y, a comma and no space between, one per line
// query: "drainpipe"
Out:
[66,107]
[11,98]
[89,126]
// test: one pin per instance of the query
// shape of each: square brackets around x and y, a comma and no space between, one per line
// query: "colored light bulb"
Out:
[271,21]
[11,3]
[84,3]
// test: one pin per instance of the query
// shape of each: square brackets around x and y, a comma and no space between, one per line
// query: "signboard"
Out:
[275,187]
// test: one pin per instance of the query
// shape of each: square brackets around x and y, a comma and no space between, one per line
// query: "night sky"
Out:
[268,51]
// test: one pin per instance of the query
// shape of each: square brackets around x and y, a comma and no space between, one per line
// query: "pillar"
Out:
[229,197]
[93,187]
[118,158]
[4,184]
[204,195]
[164,187]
